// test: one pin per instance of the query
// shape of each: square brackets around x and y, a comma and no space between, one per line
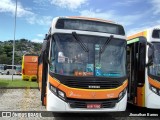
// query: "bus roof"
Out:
[10,65]
[142,32]
[30,55]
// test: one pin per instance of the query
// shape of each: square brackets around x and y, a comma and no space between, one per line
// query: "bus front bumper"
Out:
[153,101]
[55,104]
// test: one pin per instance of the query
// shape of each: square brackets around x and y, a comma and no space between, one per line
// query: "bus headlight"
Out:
[121,94]
[154,89]
[57,92]
[61,94]
[53,89]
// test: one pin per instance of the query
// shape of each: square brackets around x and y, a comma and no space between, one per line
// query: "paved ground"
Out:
[21,100]
[9,77]
[29,100]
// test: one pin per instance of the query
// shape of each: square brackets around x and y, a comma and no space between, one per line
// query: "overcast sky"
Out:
[34,16]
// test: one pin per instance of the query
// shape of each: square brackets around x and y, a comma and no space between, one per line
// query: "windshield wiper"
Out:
[105,44]
[84,47]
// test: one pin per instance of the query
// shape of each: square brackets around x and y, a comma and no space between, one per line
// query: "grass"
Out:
[17,83]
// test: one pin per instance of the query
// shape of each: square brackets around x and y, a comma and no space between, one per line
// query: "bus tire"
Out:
[7,72]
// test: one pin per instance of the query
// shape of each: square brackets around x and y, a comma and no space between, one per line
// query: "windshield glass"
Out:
[18,68]
[155,68]
[156,34]
[69,58]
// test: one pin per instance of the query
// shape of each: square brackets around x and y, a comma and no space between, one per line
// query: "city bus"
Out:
[29,67]
[143,58]
[82,66]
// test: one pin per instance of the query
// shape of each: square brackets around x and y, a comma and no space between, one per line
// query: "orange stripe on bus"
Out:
[144,34]
[40,67]
[45,101]
[87,18]
[154,83]
[140,96]
[53,81]
[88,94]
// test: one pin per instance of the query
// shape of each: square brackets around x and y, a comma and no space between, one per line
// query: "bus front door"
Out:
[132,74]
[136,72]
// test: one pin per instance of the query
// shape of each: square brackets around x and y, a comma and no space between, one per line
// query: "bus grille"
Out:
[83,104]
[92,84]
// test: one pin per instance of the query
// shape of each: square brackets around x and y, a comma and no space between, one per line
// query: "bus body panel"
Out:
[140,96]
[88,93]
[9,72]
[152,100]
[57,105]
[29,67]
[40,76]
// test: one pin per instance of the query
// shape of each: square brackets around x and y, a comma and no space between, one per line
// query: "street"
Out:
[9,77]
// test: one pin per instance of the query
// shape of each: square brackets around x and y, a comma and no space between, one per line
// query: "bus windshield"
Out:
[155,68]
[69,58]
[18,68]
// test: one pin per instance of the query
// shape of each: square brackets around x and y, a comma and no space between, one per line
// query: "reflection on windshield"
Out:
[112,60]
[69,58]
[155,68]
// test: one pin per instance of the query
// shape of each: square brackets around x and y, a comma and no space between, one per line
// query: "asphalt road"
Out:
[29,100]
[9,77]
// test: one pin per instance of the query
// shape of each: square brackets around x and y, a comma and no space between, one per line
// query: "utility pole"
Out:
[14,39]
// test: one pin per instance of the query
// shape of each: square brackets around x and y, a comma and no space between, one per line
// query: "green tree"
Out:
[22,46]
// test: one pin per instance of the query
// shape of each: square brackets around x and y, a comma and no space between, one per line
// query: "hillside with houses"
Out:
[22,46]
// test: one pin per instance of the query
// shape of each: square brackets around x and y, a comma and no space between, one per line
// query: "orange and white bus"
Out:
[144,68]
[29,67]
[82,66]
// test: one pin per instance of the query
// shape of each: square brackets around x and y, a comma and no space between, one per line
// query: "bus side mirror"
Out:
[150,54]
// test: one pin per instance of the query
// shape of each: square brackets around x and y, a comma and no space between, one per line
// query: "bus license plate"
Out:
[93,106]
